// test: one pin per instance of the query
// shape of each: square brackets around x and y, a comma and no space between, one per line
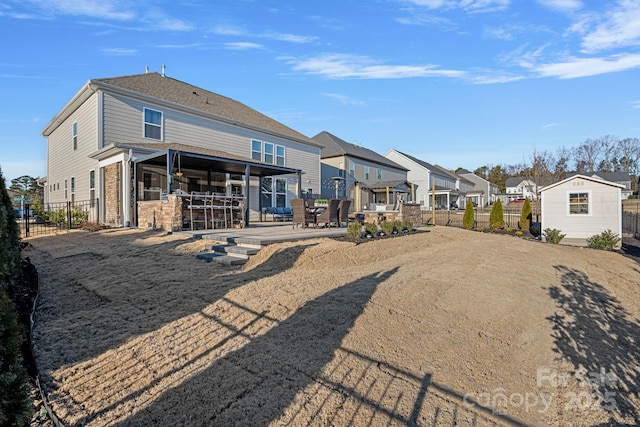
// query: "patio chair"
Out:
[198,207]
[219,207]
[343,212]
[330,214]
[301,216]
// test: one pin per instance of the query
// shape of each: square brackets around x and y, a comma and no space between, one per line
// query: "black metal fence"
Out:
[631,223]
[454,218]
[37,219]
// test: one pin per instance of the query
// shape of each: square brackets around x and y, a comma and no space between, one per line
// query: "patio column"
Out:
[299,184]
[247,176]
[170,155]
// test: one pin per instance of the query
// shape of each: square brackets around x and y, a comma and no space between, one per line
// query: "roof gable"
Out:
[332,146]
[162,89]
[587,178]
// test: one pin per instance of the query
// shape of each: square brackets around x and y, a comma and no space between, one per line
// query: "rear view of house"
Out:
[138,138]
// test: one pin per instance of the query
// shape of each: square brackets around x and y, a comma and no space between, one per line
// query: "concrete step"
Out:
[220,258]
[230,249]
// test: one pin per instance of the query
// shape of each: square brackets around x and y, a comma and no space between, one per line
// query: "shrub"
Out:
[354,230]
[38,210]
[525,215]
[61,218]
[15,405]
[371,228]
[519,233]
[496,217]
[480,229]
[468,220]
[508,229]
[553,235]
[607,240]
[398,225]
[407,225]
[387,226]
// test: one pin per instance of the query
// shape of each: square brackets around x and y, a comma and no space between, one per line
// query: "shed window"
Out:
[152,124]
[578,203]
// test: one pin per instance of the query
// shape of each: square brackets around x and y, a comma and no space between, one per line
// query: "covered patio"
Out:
[160,177]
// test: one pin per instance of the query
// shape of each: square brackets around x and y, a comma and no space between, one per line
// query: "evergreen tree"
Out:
[468,220]
[525,216]
[496,218]
[15,405]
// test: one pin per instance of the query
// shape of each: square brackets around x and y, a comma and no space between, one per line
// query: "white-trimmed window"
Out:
[281,192]
[92,187]
[341,169]
[579,203]
[152,124]
[352,169]
[256,150]
[266,192]
[366,172]
[74,135]
[268,153]
[73,184]
[279,155]
[379,173]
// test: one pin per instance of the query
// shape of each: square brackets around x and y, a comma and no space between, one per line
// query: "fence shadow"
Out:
[598,337]
[255,383]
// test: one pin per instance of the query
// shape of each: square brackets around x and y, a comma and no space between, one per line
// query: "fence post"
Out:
[26,219]
[68,215]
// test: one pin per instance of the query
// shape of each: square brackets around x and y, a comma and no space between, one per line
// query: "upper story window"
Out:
[74,135]
[152,124]
[352,168]
[579,203]
[279,155]
[341,169]
[379,173]
[256,150]
[268,152]
[92,180]
[73,184]
[366,172]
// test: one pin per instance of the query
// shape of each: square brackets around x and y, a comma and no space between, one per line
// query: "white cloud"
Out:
[105,9]
[340,66]
[583,67]
[344,99]
[243,46]
[635,105]
[120,51]
[500,33]
[620,28]
[469,5]
[562,5]
[550,125]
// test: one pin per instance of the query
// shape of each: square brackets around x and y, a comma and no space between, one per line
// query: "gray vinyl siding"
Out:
[64,162]
[123,122]
[417,174]
[605,209]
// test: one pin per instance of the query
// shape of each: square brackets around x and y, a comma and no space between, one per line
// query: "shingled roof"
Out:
[162,90]
[332,146]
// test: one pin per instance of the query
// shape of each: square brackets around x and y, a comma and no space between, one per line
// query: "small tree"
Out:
[525,216]
[468,220]
[15,406]
[496,218]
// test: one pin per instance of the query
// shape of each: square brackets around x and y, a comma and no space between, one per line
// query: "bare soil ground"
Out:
[450,327]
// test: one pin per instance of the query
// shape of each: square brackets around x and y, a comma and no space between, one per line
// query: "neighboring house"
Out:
[620,177]
[582,206]
[484,192]
[521,188]
[360,174]
[134,138]
[448,191]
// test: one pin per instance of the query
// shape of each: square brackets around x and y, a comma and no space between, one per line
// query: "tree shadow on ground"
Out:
[82,323]
[596,335]
[254,384]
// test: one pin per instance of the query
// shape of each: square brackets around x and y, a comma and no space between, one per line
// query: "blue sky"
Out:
[460,83]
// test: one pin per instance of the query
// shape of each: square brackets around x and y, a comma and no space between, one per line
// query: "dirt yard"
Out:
[449,327]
